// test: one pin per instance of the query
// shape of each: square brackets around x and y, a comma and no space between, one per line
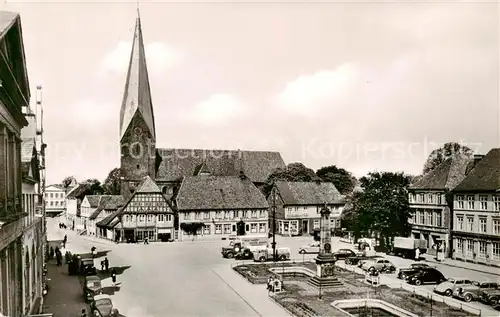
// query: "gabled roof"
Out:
[148,186]
[93,200]
[110,202]
[485,176]
[308,193]
[137,94]
[446,175]
[77,191]
[107,221]
[201,169]
[219,192]
[257,165]
[56,186]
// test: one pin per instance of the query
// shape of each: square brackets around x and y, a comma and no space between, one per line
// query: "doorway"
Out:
[305,226]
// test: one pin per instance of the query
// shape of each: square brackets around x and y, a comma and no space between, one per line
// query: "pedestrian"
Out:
[146,240]
[106,264]
[84,313]
[65,240]
[113,276]
[102,265]
[92,250]
[417,254]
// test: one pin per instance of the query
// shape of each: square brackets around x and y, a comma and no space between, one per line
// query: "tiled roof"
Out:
[95,214]
[107,221]
[201,169]
[446,175]
[93,200]
[148,186]
[308,193]
[219,192]
[110,202]
[485,176]
[257,165]
[7,19]
[77,191]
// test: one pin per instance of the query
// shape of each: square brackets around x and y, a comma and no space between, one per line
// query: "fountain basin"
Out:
[354,307]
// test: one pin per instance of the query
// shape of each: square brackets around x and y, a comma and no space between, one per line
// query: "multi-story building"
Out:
[431,203]
[87,208]
[298,206]
[14,97]
[220,203]
[54,200]
[476,219]
[73,200]
[146,214]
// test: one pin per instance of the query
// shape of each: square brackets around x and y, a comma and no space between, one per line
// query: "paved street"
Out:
[192,279]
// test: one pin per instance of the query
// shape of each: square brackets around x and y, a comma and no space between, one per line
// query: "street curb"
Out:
[461,267]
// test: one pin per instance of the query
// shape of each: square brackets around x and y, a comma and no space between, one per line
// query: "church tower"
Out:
[137,123]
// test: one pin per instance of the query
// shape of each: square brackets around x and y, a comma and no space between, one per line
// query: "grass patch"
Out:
[258,273]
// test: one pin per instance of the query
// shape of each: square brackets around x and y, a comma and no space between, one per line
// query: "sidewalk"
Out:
[65,297]
[255,295]
[464,265]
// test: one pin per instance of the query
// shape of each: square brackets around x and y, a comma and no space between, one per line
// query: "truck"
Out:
[266,254]
[247,244]
[407,247]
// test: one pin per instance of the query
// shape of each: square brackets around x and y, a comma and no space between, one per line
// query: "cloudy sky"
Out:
[365,86]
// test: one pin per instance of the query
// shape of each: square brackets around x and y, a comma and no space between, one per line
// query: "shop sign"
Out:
[309,213]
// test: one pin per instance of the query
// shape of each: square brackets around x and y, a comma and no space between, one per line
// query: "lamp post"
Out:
[274,221]
[321,228]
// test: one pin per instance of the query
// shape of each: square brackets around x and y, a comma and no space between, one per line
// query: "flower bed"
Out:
[259,273]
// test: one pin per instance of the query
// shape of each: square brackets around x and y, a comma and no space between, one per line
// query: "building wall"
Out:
[476,227]
[222,223]
[72,221]
[85,211]
[55,200]
[303,219]
[431,219]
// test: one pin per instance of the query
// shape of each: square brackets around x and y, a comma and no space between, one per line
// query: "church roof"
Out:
[308,193]
[137,93]
[256,165]
[219,192]
[148,186]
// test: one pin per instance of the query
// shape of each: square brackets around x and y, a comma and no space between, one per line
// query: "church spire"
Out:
[137,94]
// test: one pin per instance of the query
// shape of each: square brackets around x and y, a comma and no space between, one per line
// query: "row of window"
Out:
[427,218]
[231,214]
[307,207]
[466,247]
[56,203]
[148,218]
[10,144]
[228,228]
[428,198]
[54,195]
[469,202]
[468,224]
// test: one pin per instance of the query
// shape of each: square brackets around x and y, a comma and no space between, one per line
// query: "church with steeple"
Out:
[140,156]
[164,188]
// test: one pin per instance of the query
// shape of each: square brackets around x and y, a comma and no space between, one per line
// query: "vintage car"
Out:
[87,267]
[447,288]
[379,265]
[311,248]
[244,254]
[472,292]
[91,287]
[404,273]
[264,255]
[490,296]
[102,306]
[342,254]
[426,276]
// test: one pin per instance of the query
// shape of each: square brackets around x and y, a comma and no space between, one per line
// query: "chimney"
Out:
[477,158]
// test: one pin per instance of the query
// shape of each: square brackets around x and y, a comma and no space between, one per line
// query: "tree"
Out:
[440,155]
[67,181]
[112,183]
[293,172]
[94,187]
[192,228]
[342,179]
[382,208]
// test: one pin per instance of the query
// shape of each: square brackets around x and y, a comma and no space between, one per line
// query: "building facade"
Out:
[221,203]
[298,206]
[107,205]
[431,204]
[14,97]
[55,200]
[33,233]
[73,201]
[476,219]
[140,156]
[87,208]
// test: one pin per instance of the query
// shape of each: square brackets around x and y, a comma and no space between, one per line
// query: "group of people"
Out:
[62,226]
[274,284]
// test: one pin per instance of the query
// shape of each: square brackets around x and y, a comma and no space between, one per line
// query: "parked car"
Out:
[264,255]
[102,306]
[342,254]
[491,296]
[447,288]
[414,268]
[472,292]
[378,265]
[311,248]
[426,276]
[244,254]
[91,287]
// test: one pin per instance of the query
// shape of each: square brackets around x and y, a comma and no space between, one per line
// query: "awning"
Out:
[160,231]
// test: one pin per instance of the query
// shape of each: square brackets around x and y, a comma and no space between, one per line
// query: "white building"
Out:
[298,206]
[73,200]
[87,208]
[220,203]
[55,200]
[476,219]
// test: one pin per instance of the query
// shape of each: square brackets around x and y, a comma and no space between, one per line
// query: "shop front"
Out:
[299,221]
[438,243]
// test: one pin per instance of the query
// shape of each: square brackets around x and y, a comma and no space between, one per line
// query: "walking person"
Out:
[84,313]
[146,240]
[102,265]
[93,251]
[64,241]
[106,264]
[113,276]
